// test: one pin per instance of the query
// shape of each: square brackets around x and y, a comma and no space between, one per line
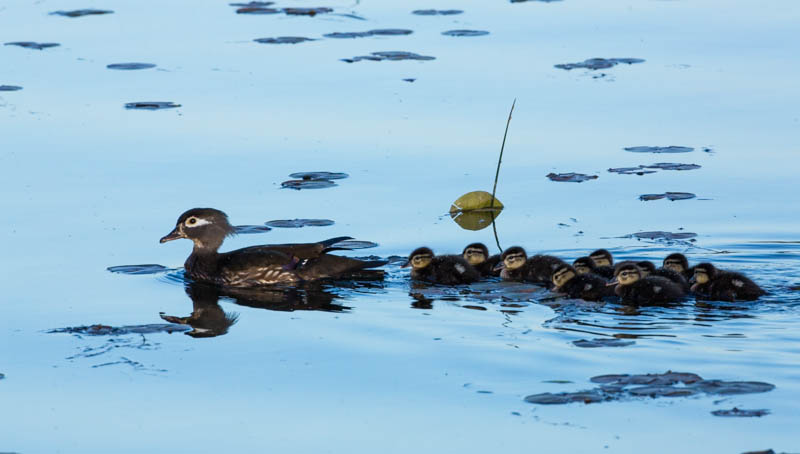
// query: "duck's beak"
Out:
[613,282]
[499,266]
[406,264]
[173,235]
[692,280]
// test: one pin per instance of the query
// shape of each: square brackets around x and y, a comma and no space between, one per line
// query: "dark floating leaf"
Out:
[436,12]
[766,451]
[473,307]
[297,223]
[733,387]
[252,4]
[308,184]
[631,170]
[81,12]
[138,269]
[409,80]
[355,244]
[2,376]
[673,166]
[130,66]
[341,35]
[602,342]
[599,63]
[669,149]
[586,397]
[571,177]
[667,378]
[151,105]
[257,10]
[540,1]
[673,196]
[307,11]
[660,235]
[736,412]
[465,33]
[10,88]
[389,55]
[248,229]
[390,32]
[32,45]
[319,175]
[283,40]
[106,330]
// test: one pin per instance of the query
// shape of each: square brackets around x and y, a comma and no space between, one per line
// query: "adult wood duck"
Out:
[443,269]
[477,255]
[715,284]
[256,265]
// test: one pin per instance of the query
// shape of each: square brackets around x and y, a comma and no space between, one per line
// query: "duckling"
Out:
[537,269]
[603,263]
[584,265]
[256,265]
[477,255]
[587,286]
[649,269]
[637,290]
[444,269]
[678,263]
[715,284]
[512,264]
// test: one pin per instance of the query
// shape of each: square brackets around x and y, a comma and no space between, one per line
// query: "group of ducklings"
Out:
[591,278]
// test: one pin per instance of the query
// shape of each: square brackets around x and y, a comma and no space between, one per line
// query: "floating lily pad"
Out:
[673,166]
[138,269]
[475,219]
[661,235]
[389,55]
[390,32]
[355,244]
[151,105]
[250,229]
[409,80]
[308,184]
[283,40]
[733,387]
[669,149]
[436,12]
[307,11]
[640,170]
[81,12]
[298,223]
[130,66]
[662,391]
[667,378]
[540,1]
[341,35]
[475,200]
[2,376]
[474,307]
[602,342]
[32,45]
[673,196]
[106,330]
[319,175]
[571,177]
[257,10]
[586,397]
[736,412]
[465,33]
[252,4]
[599,63]
[10,88]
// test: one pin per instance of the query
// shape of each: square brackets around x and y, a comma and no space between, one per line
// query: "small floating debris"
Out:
[465,33]
[409,80]
[251,229]
[475,308]
[356,244]
[571,177]
[669,149]
[673,166]
[736,412]
[343,35]
[660,235]
[319,175]
[307,11]
[2,376]
[151,105]
[81,12]
[283,40]
[602,342]
[106,330]
[389,55]
[631,170]
[436,12]
[130,66]
[32,45]
[255,8]
[10,88]
[540,1]
[298,223]
[673,196]
[376,32]
[138,269]
[643,169]
[598,63]
[308,184]
[252,4]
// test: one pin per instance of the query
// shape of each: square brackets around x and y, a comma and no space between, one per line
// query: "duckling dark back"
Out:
[650,269]
[642,291]
[541,268]
[725,285]
[587,286]
[445,269]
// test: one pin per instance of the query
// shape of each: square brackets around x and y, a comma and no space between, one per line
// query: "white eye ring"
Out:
[197,222]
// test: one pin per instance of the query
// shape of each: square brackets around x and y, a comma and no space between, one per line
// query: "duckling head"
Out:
[646,267]
[676,262]
[703,273]
[627,274]
[476,253]
[206,227]
[602,257]
[514,257]
[583,265]
[420,258]
[564,274]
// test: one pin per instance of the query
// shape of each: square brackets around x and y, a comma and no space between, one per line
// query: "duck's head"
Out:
[206,227]
[420,258]
[476,253]
[703,273]
[646,267]
[676,262]
[602,257]
[626,274]
[513,258]
[583,265]
[564,274]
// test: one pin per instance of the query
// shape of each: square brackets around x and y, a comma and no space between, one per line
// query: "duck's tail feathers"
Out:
[330,242]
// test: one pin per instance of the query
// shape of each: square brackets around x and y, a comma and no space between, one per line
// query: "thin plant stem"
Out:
[497,175]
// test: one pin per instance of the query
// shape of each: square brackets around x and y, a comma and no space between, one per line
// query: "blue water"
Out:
[88,184]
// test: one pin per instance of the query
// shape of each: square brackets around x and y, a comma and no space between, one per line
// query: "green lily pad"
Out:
[475,200]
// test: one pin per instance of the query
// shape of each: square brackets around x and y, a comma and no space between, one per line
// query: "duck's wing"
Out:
[257,266]
[300,250]
[328,265]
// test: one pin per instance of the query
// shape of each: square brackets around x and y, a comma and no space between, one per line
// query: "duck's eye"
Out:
[191,221]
